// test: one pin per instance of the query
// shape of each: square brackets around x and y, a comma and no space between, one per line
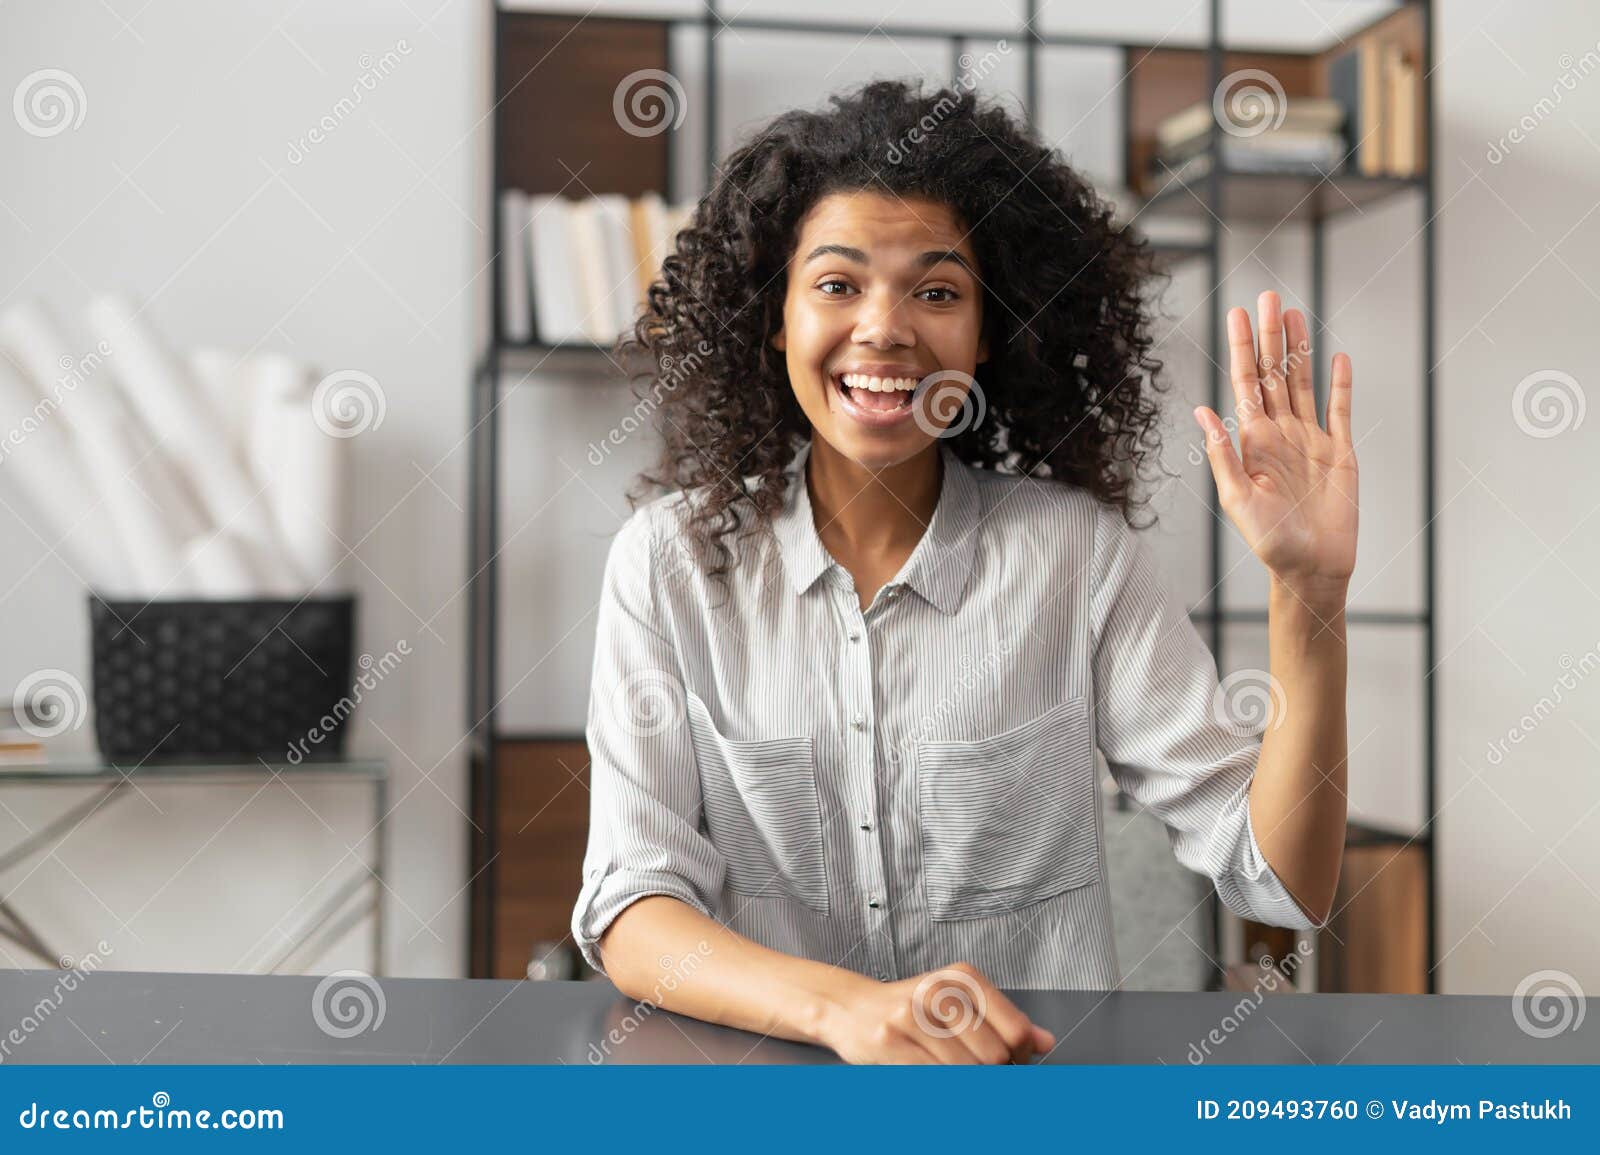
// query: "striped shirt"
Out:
[899,788]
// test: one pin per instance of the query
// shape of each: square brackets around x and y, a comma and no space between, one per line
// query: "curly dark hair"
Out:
[1069,382]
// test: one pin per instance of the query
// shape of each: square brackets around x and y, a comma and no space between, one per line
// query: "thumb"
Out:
[1043,1041]
[1225,464]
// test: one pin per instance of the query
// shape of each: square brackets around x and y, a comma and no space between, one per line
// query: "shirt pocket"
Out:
[762,811]
[1009,820]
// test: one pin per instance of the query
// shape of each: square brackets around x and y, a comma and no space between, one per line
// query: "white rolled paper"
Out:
[225,378]
[161,388]
[38,458]
[220,565]
[146,499]
[303,465]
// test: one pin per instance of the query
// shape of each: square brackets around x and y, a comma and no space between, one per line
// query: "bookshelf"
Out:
[543,153]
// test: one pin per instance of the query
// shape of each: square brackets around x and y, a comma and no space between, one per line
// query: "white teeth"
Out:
[879,384]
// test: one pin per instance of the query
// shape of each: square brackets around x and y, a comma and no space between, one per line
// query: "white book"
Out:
[621,279]
[557,296]
[589,255]
[516,312]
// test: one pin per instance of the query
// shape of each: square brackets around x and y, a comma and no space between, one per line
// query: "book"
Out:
[1300,114]
[589,263]
[516,308]
[557,299]
[619,283]
[1284,142]
[1404,149]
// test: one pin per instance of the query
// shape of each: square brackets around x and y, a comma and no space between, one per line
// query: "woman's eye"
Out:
[949,294]
[841,284]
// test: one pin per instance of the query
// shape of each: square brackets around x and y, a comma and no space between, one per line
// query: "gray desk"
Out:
[133,1017]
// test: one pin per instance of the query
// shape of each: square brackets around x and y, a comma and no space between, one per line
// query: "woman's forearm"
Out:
[1298,797]
[664,952]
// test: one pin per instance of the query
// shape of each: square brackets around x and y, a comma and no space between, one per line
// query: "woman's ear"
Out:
[778,340]
[983,348]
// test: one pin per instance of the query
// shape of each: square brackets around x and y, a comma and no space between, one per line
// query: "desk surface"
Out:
[134,1017]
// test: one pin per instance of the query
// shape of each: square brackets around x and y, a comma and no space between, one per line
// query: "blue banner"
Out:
[792,1109]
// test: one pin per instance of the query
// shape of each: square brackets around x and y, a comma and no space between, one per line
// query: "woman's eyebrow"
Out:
[926,260]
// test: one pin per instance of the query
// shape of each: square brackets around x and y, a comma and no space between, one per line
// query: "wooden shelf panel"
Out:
[1268,198]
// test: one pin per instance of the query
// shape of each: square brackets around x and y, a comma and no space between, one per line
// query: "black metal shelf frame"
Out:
[1206,196]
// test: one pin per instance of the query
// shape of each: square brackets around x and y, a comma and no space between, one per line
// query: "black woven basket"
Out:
[193,680]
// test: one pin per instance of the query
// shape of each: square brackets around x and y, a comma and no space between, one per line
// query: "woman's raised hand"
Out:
[1292,488]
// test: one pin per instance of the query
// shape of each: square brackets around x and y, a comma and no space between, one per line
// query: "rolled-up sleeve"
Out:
[645,805]
[1155,686]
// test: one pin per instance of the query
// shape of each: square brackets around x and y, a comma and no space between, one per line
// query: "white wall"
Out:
[177,186]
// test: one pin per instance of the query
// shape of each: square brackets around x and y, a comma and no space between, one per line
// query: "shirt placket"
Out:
[871,889]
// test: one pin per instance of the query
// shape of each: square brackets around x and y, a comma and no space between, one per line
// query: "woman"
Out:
[850,674]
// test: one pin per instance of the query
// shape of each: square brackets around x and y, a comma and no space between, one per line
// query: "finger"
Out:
[1232,480]
[1269,313]
[941,1045]
[955,1010]
[1242,365]
[1044,1041]
[1003,1019]
[1339,399]
[984,1045]
[1298,364]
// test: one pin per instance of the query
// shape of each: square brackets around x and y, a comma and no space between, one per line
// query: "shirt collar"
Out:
[939,566]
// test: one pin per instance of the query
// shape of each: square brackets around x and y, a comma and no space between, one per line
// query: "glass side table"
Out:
[114,779]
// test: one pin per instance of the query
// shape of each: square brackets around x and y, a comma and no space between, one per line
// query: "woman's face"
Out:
[882,292]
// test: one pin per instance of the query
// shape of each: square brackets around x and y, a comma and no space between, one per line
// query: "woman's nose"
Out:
[884,320]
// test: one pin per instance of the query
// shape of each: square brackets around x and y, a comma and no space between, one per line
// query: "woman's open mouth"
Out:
[877,402]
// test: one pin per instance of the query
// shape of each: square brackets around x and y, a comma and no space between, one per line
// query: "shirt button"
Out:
[854,636]
[872,901]
[882,978]
[859,722]
[866,821]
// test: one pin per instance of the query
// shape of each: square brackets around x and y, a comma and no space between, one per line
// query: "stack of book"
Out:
[1300,135]
[578,271]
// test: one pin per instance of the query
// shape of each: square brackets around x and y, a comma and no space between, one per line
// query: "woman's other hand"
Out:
[951,1015]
